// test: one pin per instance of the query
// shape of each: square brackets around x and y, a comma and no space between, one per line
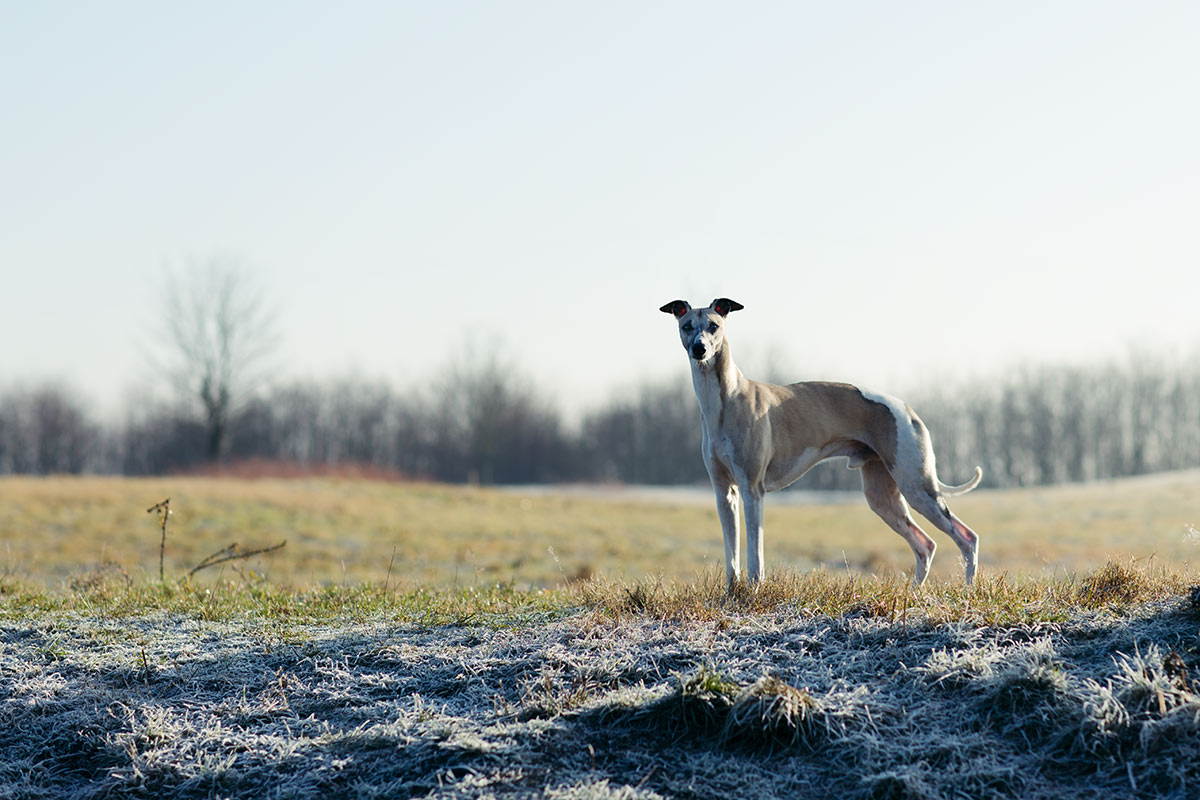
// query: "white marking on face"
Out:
[701,333]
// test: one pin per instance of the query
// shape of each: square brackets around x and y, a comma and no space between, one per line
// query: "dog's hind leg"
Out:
[933,507]
[884,498]
[916,473]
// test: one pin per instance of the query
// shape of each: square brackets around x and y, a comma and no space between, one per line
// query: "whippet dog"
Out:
[758,438]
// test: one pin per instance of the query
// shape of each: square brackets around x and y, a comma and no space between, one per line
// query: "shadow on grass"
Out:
[837,689]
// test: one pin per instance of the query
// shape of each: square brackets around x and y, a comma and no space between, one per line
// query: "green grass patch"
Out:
[220,601]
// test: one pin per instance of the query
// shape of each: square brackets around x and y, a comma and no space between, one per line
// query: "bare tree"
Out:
[219,333]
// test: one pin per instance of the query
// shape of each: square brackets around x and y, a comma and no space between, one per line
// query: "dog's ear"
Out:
[723,305]
[677,307]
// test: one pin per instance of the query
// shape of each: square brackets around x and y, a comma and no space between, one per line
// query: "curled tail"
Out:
[954,491]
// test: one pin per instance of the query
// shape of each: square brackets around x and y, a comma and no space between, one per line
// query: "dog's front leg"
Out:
[727,511]
[754,535]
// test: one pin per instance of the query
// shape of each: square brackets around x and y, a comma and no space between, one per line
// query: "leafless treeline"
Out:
[1054,425]
[480,420]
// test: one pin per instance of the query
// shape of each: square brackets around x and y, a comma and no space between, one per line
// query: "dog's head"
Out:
[702,330]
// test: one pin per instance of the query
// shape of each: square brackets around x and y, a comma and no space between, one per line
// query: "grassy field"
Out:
[422,641]
[817,685]
[350,532]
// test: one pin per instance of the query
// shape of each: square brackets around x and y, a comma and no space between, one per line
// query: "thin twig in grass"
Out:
[164,511]
[646,777]
[558,564]
[388,579]
[231,553]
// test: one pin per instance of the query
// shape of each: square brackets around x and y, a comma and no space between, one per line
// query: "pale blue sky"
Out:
[895,191]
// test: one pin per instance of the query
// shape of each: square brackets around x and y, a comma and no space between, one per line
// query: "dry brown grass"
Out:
[352,531]
[996,599]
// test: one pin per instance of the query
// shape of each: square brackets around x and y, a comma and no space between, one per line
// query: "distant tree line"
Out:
[481,421]
[1046,425]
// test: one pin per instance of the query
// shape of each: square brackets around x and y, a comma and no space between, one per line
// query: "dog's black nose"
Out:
[698,351]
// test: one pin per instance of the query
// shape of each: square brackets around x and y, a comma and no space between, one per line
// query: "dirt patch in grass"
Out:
[604,701]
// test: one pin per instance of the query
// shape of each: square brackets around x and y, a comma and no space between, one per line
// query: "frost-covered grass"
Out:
[817,685]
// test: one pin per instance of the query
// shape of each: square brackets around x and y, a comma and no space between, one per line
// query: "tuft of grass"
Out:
[763,716]
[1029,698]
[771,714]
[1115,582]
[700,704]
[696,707]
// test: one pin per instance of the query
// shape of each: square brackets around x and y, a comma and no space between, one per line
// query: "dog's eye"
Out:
[688,328]
[712,327]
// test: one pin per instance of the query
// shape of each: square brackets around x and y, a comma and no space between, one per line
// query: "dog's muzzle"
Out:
[698,351]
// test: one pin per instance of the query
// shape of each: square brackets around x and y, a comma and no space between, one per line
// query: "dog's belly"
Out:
[782,473]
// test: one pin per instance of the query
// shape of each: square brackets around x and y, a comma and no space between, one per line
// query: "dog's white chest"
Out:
[723,449]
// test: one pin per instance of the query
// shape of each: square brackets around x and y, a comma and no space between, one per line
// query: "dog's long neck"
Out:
[715,381]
